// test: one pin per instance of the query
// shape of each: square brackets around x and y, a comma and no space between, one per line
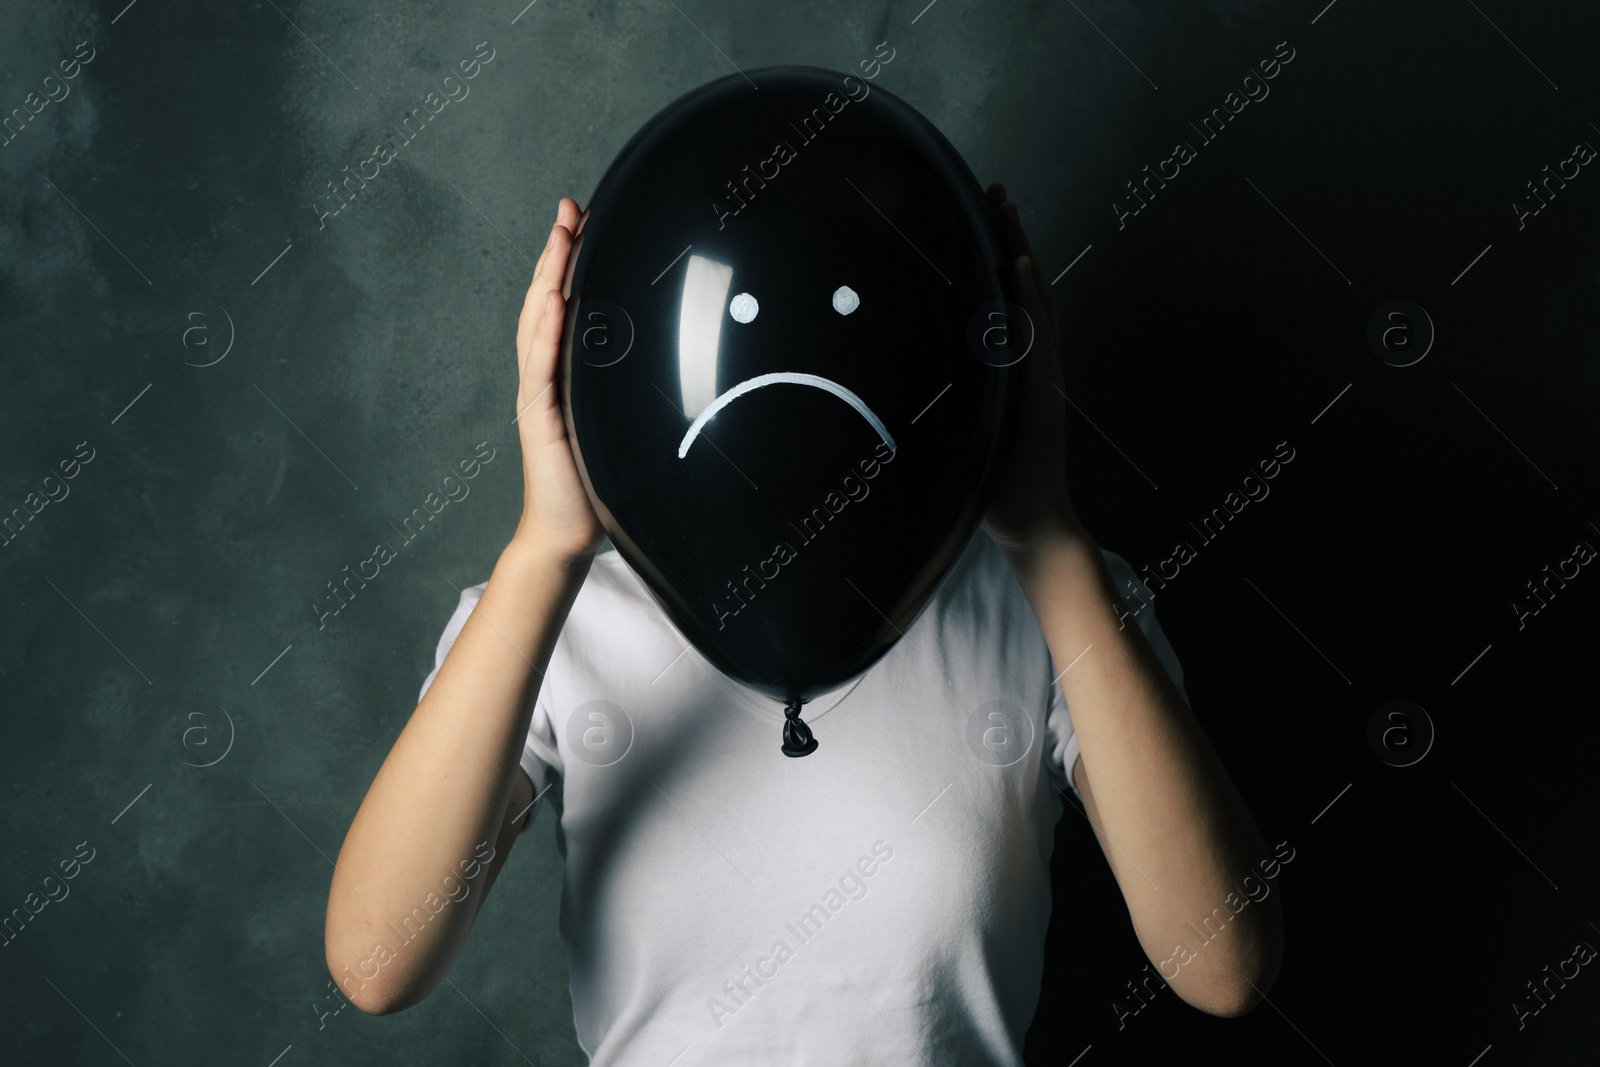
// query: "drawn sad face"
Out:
[769,364]
[705,297]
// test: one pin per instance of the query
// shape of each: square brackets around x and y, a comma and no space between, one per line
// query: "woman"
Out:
[725,905]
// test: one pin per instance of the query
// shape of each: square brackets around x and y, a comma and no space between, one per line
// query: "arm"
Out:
[451,785]
[1169,820]
[443,796]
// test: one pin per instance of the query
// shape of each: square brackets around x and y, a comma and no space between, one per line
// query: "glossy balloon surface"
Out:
[789,371]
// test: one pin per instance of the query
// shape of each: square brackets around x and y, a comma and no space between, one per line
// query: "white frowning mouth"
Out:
[782,377]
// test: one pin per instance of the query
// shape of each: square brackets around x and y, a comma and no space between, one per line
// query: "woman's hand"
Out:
[1031,497]
[556,513]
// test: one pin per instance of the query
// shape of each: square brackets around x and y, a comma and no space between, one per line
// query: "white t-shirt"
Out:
[882,900]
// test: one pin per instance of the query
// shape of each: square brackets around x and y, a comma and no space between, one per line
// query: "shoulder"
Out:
[983,566]
[983,586]
[988,565]
[611,576]
[612,602]
[608,596]
[978,600]
[1121,570]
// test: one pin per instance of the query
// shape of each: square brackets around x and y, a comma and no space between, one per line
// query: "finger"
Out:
[1017,239]
[1034,372]
[1017,244]
[547,274]
[536,365]
[555,256]
[546,343]
[1045,298]
[1011,226]
[1027,292]
[530,301]
[567,213]
[995,195]
[561,211]
[548,277]
[995,198]
[1026,272]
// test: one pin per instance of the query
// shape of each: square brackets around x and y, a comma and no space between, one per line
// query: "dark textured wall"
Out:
[250,390]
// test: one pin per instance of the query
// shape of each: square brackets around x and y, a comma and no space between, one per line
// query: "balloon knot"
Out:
[797,739]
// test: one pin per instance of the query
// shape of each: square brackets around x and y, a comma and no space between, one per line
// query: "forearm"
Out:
[1180,836]
[442,791]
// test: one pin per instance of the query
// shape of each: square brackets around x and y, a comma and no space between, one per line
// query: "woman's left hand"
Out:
[1031,499]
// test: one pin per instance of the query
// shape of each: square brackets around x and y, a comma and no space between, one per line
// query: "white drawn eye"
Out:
[845,300]
[743,307]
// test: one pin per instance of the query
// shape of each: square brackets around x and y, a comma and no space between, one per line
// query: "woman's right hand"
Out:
[556,513]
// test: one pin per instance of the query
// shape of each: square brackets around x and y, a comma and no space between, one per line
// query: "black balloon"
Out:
[789,371]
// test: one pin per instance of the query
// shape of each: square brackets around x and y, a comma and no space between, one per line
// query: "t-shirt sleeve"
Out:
[540,757]
[1059,734]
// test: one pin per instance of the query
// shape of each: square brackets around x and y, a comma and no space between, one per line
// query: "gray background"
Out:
[376,352]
